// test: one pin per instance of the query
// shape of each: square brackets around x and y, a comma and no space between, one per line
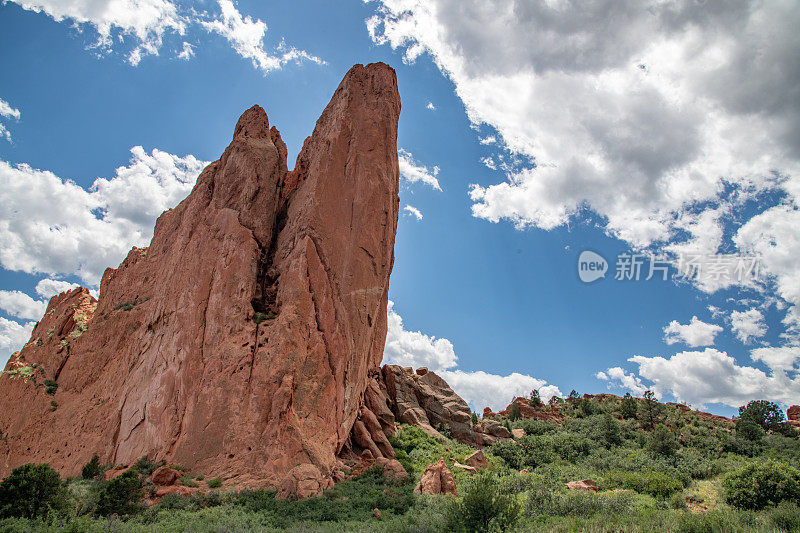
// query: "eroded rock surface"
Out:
[241,342]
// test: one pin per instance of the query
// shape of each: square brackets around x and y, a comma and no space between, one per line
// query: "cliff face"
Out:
[239,343]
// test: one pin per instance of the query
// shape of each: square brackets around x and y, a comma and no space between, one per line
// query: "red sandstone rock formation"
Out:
[793,416]
[526,410]
[427,401]
[437,479]
[240,342]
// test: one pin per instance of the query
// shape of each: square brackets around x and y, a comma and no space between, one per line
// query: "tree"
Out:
[651,410]
[536,400]
[573,396]
[766,414]
[628,407]
[121,495]
[663,442]
[748,429]
[31,491]
[92,469]
[610,431]
[513,412]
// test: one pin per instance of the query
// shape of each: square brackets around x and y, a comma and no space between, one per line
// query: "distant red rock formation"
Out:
[240,343]
[526,410]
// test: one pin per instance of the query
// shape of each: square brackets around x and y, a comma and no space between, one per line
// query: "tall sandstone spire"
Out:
[241,341]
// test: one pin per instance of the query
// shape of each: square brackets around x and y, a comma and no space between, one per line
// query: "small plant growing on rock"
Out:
[214,483]
[50,387]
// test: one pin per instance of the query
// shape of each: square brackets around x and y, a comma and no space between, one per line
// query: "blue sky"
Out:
[529,133]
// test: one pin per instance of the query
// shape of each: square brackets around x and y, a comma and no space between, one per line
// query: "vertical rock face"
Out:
[239,344]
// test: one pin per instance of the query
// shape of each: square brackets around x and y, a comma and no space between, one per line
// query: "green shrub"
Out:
[187,481]
[214,483]
[662,442]
[611,431]
[748,429]
[541,501]
[50,387]
[121,495]
[784,517]
[677,501]
[482,507]
[145,466]
[32,491]
[92,469]
[759,485]
[654,483]
[514,413]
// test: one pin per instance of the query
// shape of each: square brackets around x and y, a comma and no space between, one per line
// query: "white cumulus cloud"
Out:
[713,376]
[145,23]
[640,110]
[748,325]
[20,305]
[47,288]
[478,388]
[246,36]
[53,226]
[13,336]
[695,333]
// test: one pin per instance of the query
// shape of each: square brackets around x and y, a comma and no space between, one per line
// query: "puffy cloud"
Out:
[695,333]
[618,376]
[712,376]
[145,21]
[13,336]
[644,111]
[412,172]
[414,348]
[413,211]
[777,358]
[53,226]
[6,111]
[430,106]
[20,305]
[479,388]
[748,325]
[47,288]
[247,39]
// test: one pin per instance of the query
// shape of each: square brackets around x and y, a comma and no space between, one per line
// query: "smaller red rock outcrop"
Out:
[426,400]
[165,476]
[585,485]
[437,479]
[793,416]
[477,460]
[527,411]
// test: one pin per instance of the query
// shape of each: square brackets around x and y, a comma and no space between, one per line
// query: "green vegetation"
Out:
[92,469]
[50,387]
[32,491]
[657,467]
